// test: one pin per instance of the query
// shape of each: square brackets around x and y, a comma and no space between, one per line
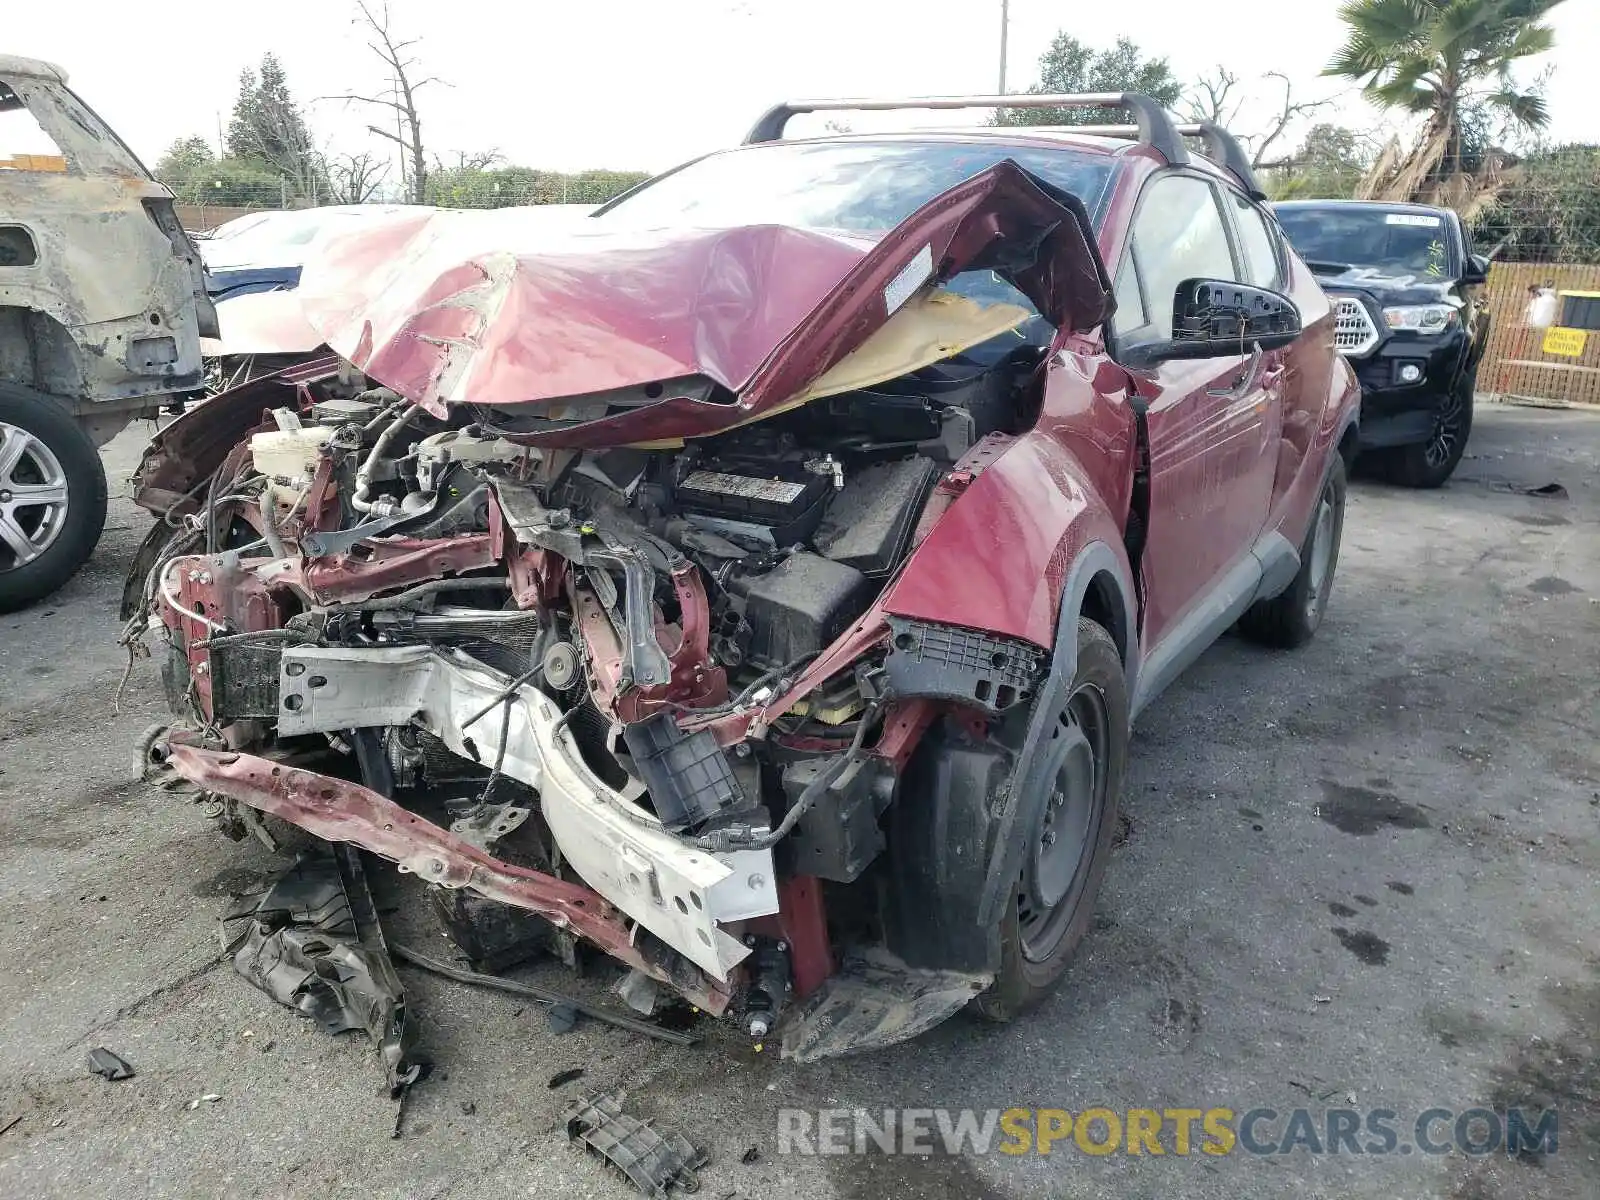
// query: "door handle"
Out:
[1245,382]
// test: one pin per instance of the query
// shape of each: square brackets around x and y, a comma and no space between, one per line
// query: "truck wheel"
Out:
[1428,464]
[52,496]
[1069,847]
[1290,620]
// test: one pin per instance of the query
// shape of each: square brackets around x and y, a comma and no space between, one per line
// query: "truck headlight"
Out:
[1421,318]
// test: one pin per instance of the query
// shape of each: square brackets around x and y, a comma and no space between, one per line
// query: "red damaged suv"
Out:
[757,579]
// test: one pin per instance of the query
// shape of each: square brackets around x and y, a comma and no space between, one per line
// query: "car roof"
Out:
[37,68]
[1376,205]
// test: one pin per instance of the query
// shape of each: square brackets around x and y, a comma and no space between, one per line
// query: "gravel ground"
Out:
[1365,875]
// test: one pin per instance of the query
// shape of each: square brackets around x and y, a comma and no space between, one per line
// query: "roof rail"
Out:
[1155,126]
[1224,149]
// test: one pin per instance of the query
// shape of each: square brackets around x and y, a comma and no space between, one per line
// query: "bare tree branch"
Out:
[1210,101]
[401,97]
[356,177]
[1291,111]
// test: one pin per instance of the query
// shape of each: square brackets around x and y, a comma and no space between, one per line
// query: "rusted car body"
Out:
[102,308]
[763,603]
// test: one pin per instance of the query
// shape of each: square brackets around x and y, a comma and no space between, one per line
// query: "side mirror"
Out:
[1476,270]
[1215,318]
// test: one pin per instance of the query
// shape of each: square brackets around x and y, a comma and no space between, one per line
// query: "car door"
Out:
[1213,423]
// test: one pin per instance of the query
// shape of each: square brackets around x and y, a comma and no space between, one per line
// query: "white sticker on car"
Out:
[912,276]
[1421,220]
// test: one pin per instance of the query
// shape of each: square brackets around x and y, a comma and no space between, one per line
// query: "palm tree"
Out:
[1445,60]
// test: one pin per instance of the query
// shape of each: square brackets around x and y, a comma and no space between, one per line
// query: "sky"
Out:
[645,84]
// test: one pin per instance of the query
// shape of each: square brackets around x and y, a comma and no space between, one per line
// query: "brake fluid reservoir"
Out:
[290,454]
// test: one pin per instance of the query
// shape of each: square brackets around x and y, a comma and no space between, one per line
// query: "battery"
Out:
[791,508]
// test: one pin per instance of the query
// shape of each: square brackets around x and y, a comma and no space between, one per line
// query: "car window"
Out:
[858,186]
[24,145]
[1130,312]
[1258,242]
[1177,235]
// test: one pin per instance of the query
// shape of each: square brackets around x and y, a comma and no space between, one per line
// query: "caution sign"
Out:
[1568,343]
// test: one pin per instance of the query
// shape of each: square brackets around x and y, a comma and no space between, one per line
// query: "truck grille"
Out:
[1353,332]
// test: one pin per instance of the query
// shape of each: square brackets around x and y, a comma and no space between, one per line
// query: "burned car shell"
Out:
[112,305]
[559,351]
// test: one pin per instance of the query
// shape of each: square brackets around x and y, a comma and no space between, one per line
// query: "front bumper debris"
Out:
[651,1159]
[337,810]
[677,891]
[313,943]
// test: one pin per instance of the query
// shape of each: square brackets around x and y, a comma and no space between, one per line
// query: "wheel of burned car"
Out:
[1290,619]
[52,496]
[1075,795]
[1428,464]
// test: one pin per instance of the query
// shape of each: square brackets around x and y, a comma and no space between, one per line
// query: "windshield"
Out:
[866,187]
[1393,242]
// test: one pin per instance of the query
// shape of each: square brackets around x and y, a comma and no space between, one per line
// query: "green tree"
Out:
[195,175]
[1550,212]
[184,160]
[1442,60]
[1070,66]
[1328,166]
[268,128]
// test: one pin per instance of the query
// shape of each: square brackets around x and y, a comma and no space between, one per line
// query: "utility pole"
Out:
[1005,22]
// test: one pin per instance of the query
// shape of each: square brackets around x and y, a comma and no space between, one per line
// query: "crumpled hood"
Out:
[495,309]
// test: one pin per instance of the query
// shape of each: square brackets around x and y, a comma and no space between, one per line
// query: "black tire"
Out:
[1428,464]
[1037,939]
[1291,619]
[50,451]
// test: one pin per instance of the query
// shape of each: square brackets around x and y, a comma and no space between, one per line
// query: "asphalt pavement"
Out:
[1362,876]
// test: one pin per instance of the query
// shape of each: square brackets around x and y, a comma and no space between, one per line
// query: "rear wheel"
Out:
[1070,844]
[1428,464]
[52,496]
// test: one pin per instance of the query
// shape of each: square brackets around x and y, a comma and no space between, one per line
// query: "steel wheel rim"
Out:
[1321,549]
[1056,870]
[1446,433]
[33,497]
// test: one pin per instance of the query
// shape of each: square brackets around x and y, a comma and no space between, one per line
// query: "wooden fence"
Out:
[1515,363]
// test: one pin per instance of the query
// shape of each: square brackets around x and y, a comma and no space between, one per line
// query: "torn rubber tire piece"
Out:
[314,944]
[651,1159]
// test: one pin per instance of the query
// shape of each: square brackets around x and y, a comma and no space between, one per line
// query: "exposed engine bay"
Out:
[566,585]
[567,661]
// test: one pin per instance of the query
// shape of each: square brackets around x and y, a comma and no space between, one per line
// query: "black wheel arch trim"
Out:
[1005,849]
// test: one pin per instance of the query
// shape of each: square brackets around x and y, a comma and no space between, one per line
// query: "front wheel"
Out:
[1428,464]
[52,497]
[1070,844]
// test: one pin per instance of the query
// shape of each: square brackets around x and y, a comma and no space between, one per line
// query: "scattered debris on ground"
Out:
[109,1064]
[313,943]
[651,1159]
[543,995]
